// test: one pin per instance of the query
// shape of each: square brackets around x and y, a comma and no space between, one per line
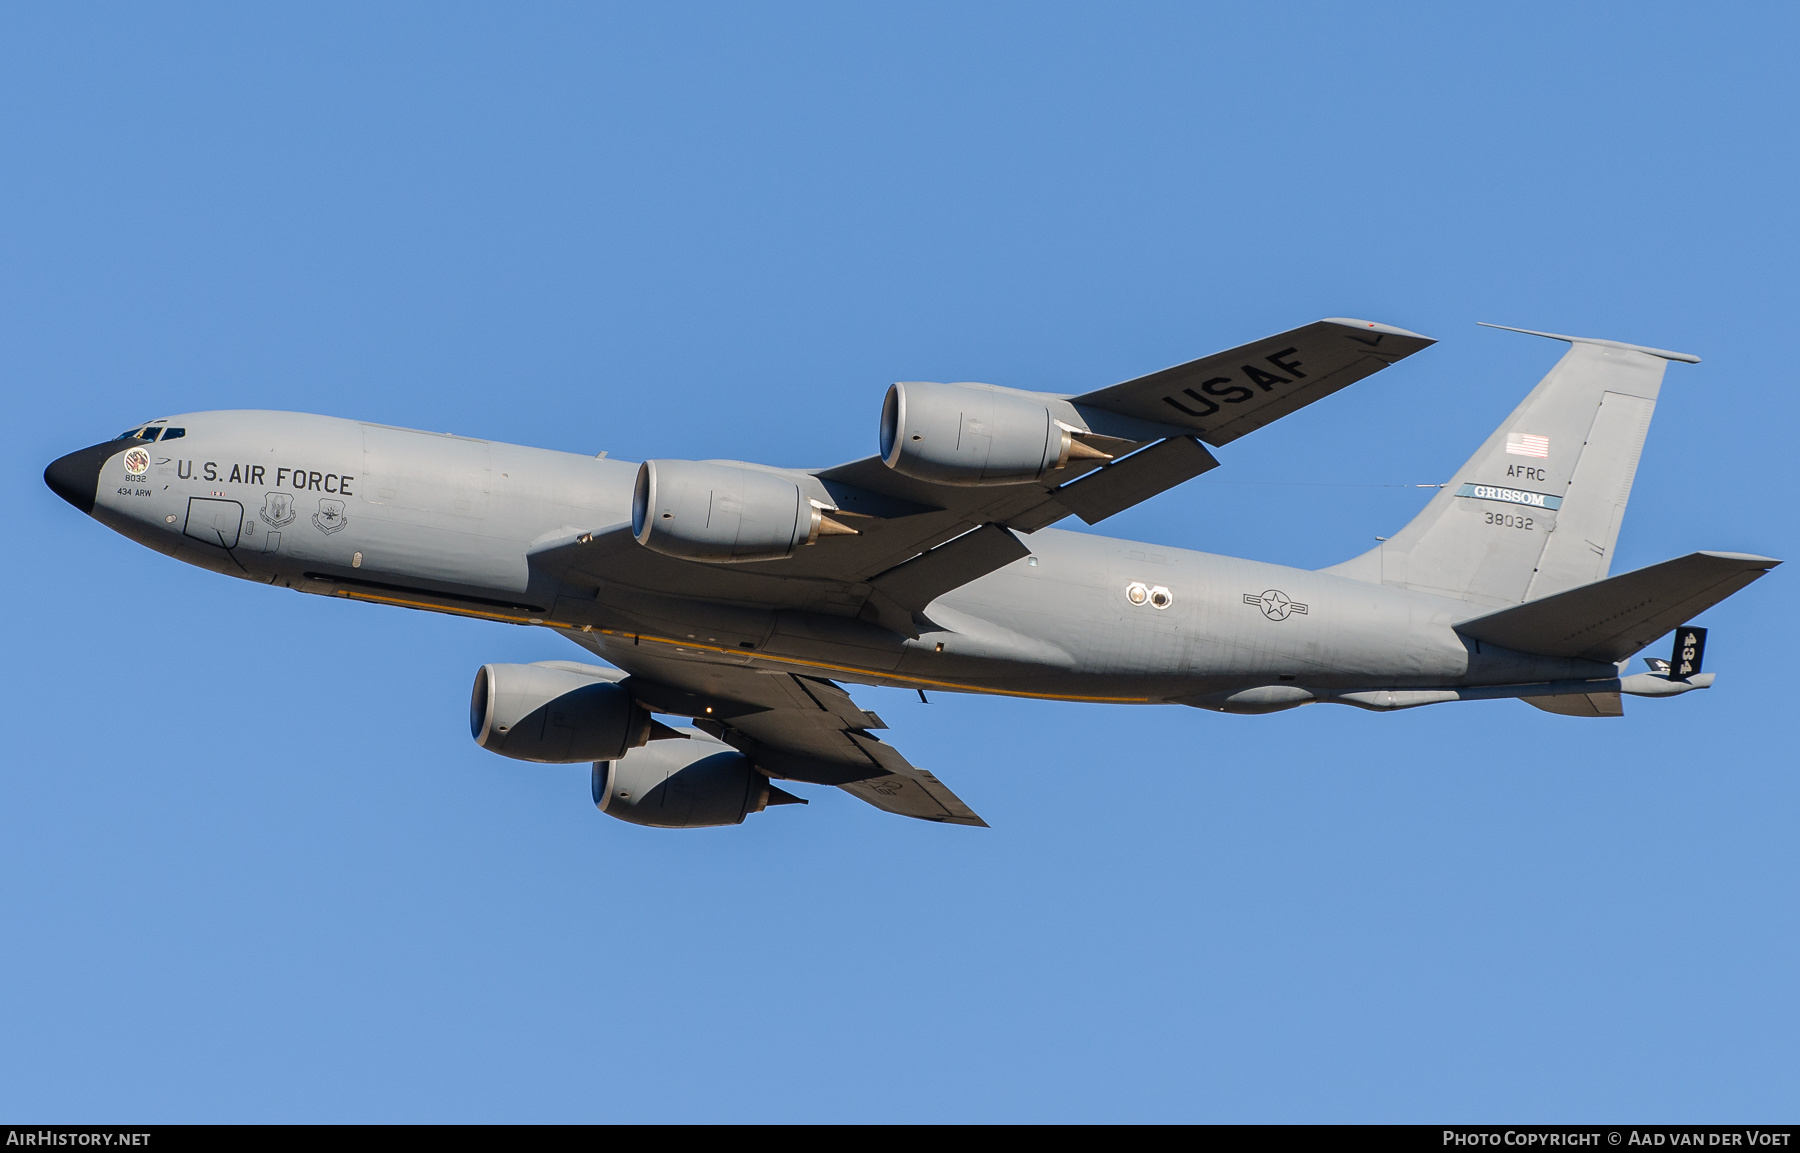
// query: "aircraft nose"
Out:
[76,477]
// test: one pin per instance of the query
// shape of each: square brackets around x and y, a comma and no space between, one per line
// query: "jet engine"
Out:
[968,434]
[724,513]
[553,716]
[684,785]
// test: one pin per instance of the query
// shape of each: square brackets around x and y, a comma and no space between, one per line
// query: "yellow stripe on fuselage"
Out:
[641,638]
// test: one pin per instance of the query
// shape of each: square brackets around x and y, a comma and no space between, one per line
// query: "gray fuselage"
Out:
[333,506]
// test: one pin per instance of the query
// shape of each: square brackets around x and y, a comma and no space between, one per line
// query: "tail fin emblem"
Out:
[1690,648]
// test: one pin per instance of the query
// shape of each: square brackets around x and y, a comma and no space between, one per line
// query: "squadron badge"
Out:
[137,461]
[330,516]
[278,509]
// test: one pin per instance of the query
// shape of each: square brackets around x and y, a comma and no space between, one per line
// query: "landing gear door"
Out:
[216,522]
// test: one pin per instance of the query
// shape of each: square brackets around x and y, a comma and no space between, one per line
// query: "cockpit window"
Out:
[148,432]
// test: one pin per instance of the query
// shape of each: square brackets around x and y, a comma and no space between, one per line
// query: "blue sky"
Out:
[253,868]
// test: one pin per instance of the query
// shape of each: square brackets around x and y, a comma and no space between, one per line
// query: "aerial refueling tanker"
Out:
[736,599]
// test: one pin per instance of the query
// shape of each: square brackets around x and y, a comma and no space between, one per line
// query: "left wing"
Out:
[1214,399]
[793,728]
[916,540]
[1221,397]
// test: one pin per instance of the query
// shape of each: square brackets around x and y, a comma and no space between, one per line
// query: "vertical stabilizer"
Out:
[1537,509]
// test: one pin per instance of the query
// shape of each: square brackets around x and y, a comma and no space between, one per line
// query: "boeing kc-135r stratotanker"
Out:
[739,594]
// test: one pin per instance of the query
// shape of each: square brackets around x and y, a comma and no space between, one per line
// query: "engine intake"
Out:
[968,434]
[554,716]
[723,513]
[692,784]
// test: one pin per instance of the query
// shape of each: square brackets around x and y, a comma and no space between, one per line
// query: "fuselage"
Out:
[446,523]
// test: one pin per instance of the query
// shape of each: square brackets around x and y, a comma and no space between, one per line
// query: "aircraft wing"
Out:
[918,539]
[1214,399]
[1221,397]
[794,728]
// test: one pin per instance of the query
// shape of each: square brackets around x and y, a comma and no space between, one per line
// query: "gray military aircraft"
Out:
[737,595]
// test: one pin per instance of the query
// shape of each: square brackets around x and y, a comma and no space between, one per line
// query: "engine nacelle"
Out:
[688,784]
[553,716]
[965,434]
[720,513]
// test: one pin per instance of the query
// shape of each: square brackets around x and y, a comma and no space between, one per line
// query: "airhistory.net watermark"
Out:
[62,1138]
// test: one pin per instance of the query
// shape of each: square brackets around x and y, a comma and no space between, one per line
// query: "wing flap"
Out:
[906,588]
[1119,485]
[834,700]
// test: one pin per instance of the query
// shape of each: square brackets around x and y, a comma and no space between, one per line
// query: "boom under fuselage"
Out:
[337,507]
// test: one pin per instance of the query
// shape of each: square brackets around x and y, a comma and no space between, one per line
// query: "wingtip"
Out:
[1376,326]
[1766,562]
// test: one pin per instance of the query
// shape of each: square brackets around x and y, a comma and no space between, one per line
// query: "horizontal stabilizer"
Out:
[1611,619]
[1684,357]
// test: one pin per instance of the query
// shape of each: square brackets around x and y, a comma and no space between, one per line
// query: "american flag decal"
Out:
[1526,444]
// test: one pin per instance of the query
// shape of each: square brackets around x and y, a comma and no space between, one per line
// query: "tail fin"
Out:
[1537,509]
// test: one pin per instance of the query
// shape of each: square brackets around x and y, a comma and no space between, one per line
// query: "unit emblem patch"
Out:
[278,509]
[1275,604]
[330,516]
[137,461]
